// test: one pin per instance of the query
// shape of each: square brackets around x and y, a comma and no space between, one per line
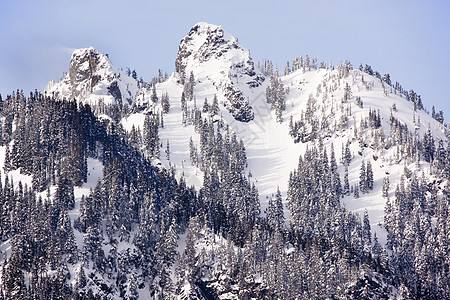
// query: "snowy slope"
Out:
[273,154]
[376,96]
[222,67]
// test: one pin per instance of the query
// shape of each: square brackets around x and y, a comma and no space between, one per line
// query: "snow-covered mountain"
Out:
[217,58]
[291,175]
[93,79]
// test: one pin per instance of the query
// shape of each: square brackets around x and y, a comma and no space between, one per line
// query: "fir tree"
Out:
[184,109]
[356,191]
[214,108]
[363,178]
[131,292]
[385,189]
[165,101]
[366,234]
[154,97]
[347,92]
[369,176]
[167,150]
[346,187]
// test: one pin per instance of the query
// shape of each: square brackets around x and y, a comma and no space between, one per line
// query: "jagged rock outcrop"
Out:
[230,67]
[93,79]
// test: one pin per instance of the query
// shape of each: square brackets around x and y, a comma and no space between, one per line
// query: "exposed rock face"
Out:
[230,66]
[83,66]
[114,90]
[93,79]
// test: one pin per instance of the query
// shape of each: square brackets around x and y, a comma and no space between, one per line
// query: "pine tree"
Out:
[7,164]
[366,234]
[193,153]
[306,64]
[154,97]
[428,146]
[346,188]
[214,109]
[291,126]
[347,92]
[167,150]
[348,155]
[81,279]
[188,89]
[151,137]
[65,238]
[131,292]
[377,248]
[369,176]
[385,189]
[279,209]
[64,191]
[337,187]
[387,79]
[165,101]
[184,109]
[356,191]
[287,69]
[92,244]
[359,102]
[274,213]
[13,281]
[363,178]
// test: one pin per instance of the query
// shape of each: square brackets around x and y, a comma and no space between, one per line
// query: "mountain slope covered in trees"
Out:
[229,179]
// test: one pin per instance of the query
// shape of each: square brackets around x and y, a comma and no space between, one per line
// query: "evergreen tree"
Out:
[377,248]
[356,191]
[64,192]
[347,92]
[337,187]
[346,187]
[131,292]
[81,279]
[165,101]
[167,150]
[363,178]
[193,153]
[206,106]
[369,176]
[347,154]
[214,109]
[154,97]
[366,234]
[387,79]
[13,281]
[385,189]
[428,146]
[275,214]
[65,238]
[184,109]
[151,136]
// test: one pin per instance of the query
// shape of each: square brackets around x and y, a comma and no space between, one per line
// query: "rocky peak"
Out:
[209,51]
[203,42]
[93,79]
[83,66]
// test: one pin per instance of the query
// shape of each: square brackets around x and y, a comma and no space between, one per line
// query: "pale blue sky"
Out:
[408,39]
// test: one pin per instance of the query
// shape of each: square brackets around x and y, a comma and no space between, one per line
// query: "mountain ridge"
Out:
[206,43]
[224,181]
